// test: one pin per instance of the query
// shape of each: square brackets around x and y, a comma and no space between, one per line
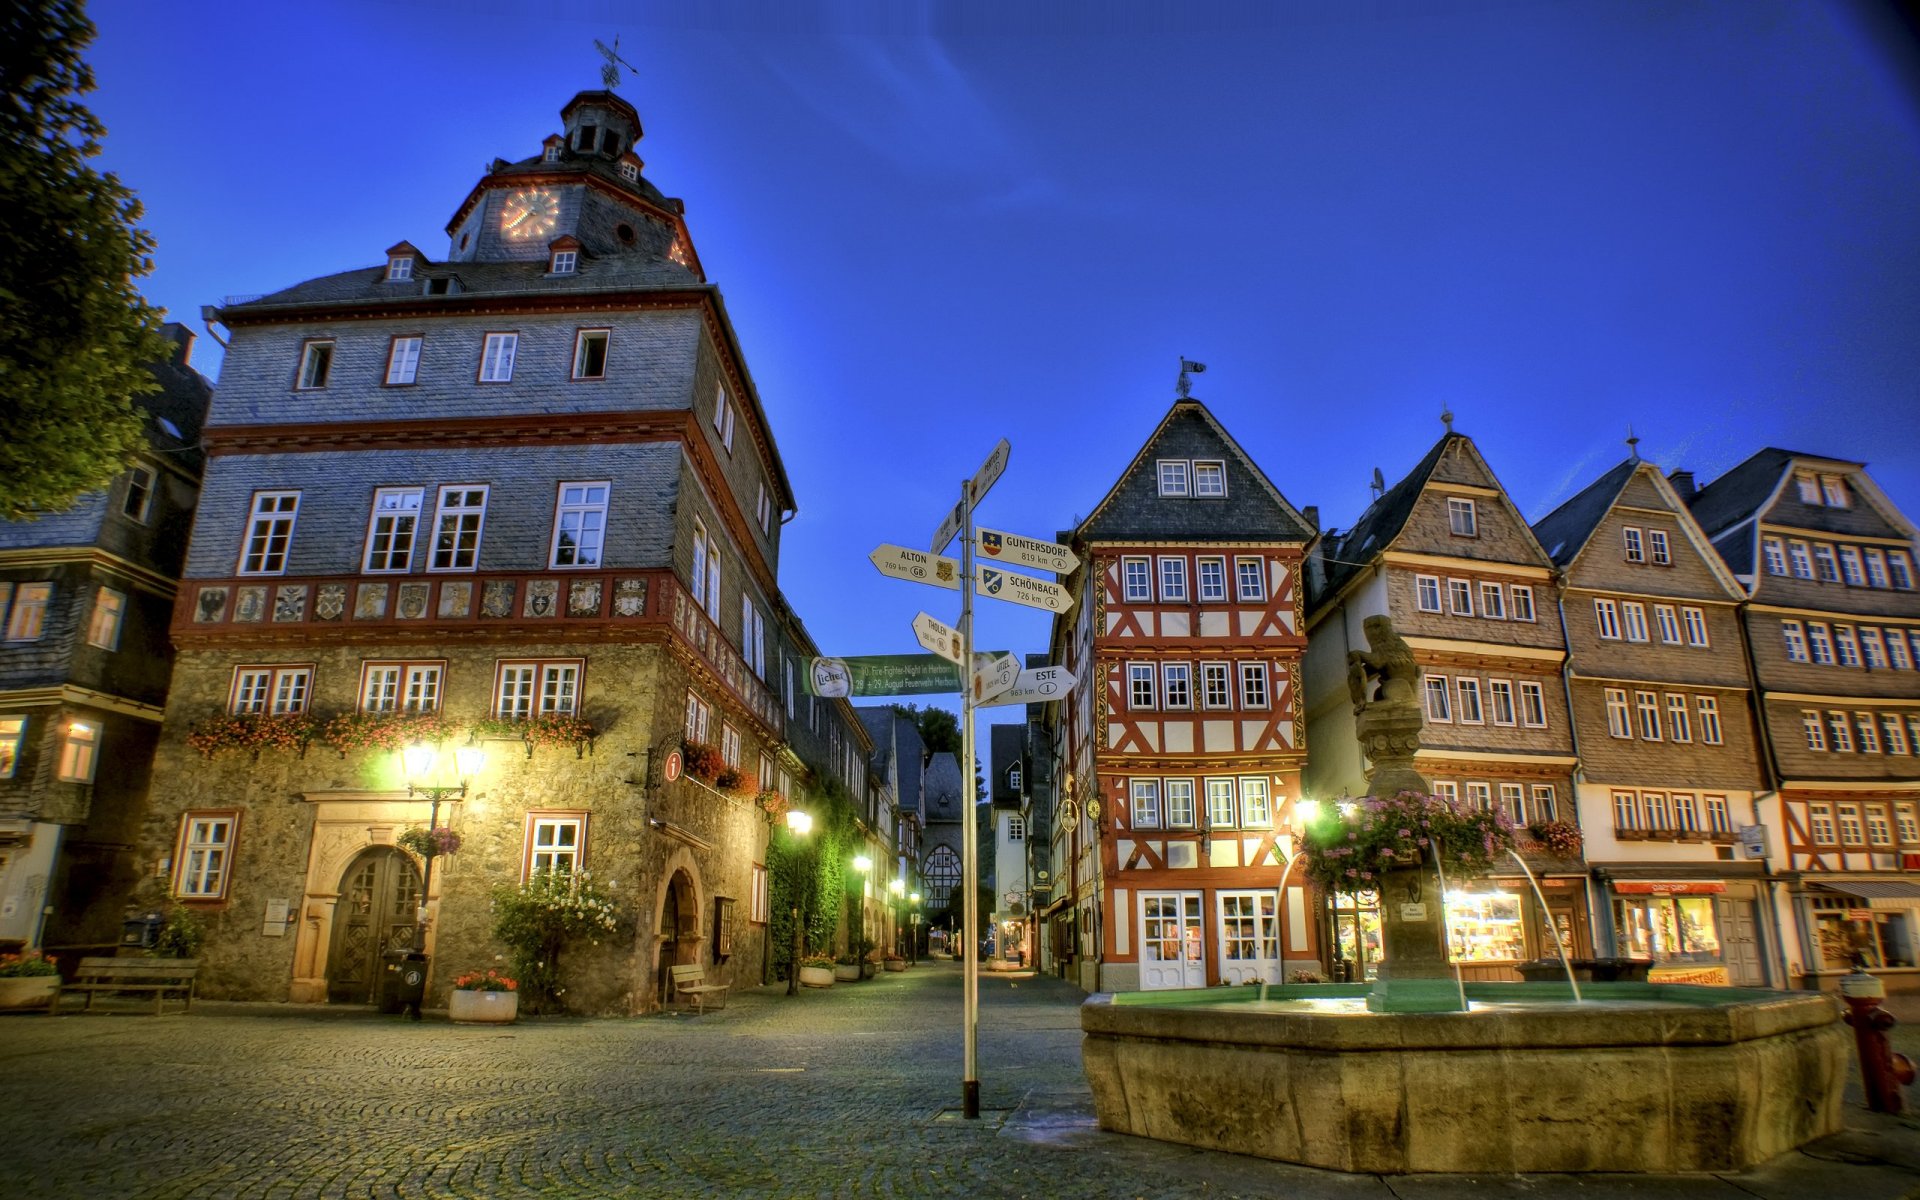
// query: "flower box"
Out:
[846,972]
[482,1008]
[27,991]
[816,977]
[896,964]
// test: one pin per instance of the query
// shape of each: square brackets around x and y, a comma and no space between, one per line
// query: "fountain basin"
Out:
[1642,1077]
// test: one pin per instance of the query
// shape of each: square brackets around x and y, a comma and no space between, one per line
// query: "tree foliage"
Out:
[75,334]
[810,872]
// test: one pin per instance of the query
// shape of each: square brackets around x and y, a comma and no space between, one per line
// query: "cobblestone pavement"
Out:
[845,1092]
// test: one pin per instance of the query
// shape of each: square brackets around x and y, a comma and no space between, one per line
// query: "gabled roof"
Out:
[1741,492]
[1565,530]
[1008,746]
[943,788]
[1253,510]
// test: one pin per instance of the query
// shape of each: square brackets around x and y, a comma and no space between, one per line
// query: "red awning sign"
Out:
[1668,887]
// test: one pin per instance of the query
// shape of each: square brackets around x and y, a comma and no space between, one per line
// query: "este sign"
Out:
[1037,686]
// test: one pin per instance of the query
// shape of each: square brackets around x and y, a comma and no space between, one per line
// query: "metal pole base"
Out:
[970,1099]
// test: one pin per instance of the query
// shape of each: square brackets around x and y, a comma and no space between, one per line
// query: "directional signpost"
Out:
[915,566]
[993,676]
[998,546]
[1036,685]
[941,638]
[1022,589]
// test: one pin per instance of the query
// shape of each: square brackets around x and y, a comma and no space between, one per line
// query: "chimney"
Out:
[1682,482]
[182,337]
[1312,513]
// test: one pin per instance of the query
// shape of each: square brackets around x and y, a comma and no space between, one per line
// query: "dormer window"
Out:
[399,268]
[563,262]
[609,141]
[629,172]
[552,154]
[584,139]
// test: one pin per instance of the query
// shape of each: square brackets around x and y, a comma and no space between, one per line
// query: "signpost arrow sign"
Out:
[949,525]
[1025,552]
[993,675]
[1036,686]
[1021,589]
[898,562]
[989,470]
[939,637]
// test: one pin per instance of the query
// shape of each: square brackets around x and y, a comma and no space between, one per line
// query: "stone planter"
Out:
[896,964]
[821,977]
[482,1008]
[846,972]
[28,991]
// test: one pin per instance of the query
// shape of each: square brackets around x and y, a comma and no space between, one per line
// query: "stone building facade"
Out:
[1670,768]
[1832,622]
[1447,555]
[523,496]
[85,599]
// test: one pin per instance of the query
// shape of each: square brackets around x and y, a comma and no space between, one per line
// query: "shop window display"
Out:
[1668,930]
[1842,929]
[1484,927]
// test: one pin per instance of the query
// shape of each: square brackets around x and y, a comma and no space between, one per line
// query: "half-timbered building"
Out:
[1182,741]
[1832,621]
[1669,767]
[1446,554]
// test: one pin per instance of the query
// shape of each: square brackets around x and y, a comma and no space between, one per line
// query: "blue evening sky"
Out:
[1557,219]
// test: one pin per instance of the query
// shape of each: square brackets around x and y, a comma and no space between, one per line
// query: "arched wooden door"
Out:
[379,895]
[679,931]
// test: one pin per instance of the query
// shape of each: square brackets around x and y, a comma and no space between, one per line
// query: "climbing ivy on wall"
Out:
[813,868]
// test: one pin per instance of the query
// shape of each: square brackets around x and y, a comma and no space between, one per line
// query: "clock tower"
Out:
[584,184]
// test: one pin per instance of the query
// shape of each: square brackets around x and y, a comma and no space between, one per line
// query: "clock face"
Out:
[532,213]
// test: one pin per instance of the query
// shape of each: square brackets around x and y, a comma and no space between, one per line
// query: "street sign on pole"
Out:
[989,471]
[1753,840]
[1021,589]
[949,525]
[898,562]
[1036,686]
[992,676]
[941,638]
[1026,552]
[885,675]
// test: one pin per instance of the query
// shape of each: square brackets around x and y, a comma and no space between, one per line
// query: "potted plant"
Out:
[896,962]
[483,998]
[29,980]
[542,918]
[846,968]
[817,971]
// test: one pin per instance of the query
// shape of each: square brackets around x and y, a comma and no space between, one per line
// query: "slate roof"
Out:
[1382,520]
[1566,529]
[182,401]
[590,164]
[943,788]
[609,273]
[879,723]
[1734,496]
[1007,745]
[1252,510]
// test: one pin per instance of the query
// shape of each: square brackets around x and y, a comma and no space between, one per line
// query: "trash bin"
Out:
[403,980]
[143,932]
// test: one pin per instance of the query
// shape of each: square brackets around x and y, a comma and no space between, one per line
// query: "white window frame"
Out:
[1635,543]
[1820,824]
[1626,810]
[1178,800]
[1633,620]
[497,352]
[1833,489]
[1257,577]
[267,542]
[1707,708]
[1679,719]
[1439,688]
[1826,564]
[454,559]
[1173,475]
[1606,618]
[563,848]
[204,863]
[1839,732]
[1695,620]
[1846,649]
[316,365]
[1256,803]
[402,686]
[1501,708]
[109,614]
[1173,579]
[1646,709]
[1619,713]
[1900,569]
[1493,604]
[1814,725]
[399,268]
[1426,593]
[723,416]
[1876,566]
[137,504]
[270,689]
[1479,795]
[1533,704]
[1460,597]
[1659,550]
[563,262]
[699,718]
[1463,518]
[1520,597]
[1794,639]
[524,688]
[582,338]
[1142,687]
[1546,805]
[1893,733]
[13,735]
[1256,692]
[1214,590]
[1866,733]
[1176,682]
[1851,569]
[575,509]
[1513,801]
[79,752]
[1666,618]
[1136,579]
[1899,657]
[1209,479]
[403,360]
[1873,652]
[730,748]
[1223,806]
[1143,809]
[1469,710]
[391,508]
[1773,552]
[1800,560]
[1216,686]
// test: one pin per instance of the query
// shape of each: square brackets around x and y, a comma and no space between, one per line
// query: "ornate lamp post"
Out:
[799,824]
[896,892]
[417,762]
[861,864]
[913,929]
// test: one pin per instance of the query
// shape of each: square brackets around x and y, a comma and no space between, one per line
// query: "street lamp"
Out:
[896,891]
[799,824]
[913,929]
[417,763]
[862,864]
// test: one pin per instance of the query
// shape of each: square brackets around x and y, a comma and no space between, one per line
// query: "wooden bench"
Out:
[159,976]
[690,980]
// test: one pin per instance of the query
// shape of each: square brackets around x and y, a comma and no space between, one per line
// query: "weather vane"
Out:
[610,73]
[1184,386]
[1446,417]
[1633,444]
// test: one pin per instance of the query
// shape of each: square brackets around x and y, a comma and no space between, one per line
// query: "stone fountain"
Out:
[1420,1073]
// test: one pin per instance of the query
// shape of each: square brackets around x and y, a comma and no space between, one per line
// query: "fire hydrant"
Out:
[1881,1070]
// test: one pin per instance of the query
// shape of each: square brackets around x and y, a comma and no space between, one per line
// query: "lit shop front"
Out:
[1672,924]
[1875,919]
[1494,925]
